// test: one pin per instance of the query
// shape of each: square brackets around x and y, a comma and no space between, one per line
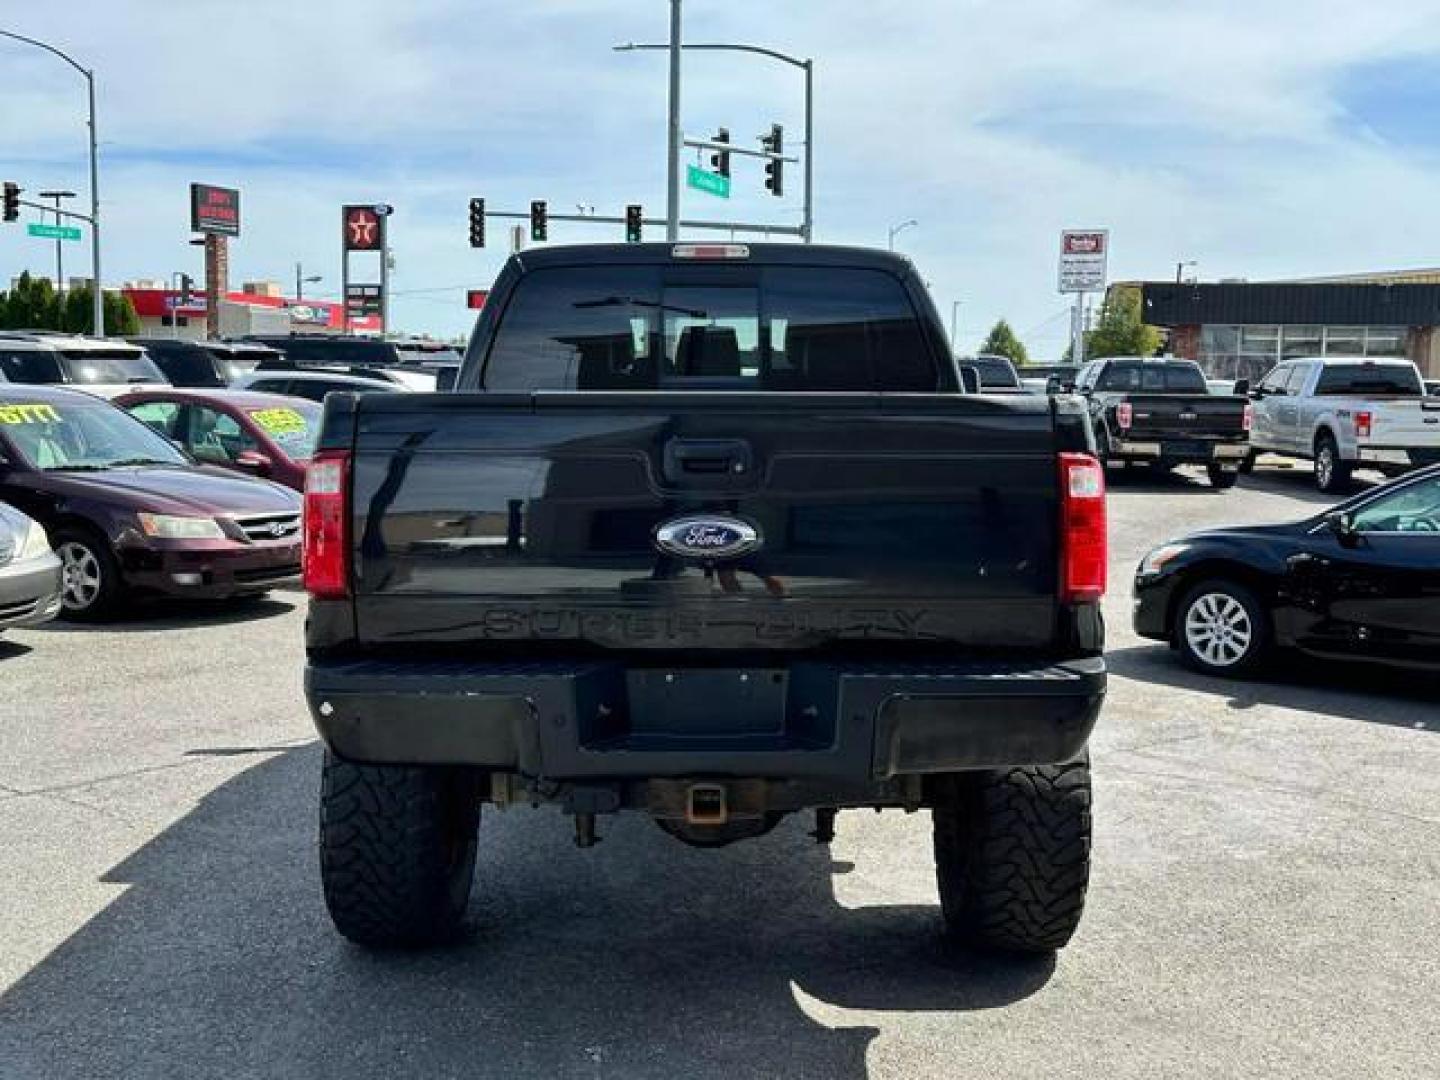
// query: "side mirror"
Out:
[254,462]
[1242,387]
[970,379]
[1342,524]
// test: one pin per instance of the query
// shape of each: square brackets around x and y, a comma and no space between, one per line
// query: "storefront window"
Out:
[1345,341]
[1301,341]
[1248,352]
[1385,341]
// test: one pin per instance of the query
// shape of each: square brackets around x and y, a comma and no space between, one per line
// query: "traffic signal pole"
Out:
[806,231]
[672,173]
[606,219]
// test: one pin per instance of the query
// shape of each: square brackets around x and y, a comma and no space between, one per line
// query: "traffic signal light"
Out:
[12,201]
[774,168]
[187,288]
[720,159]
[539,224]
[477,223]
[634,223]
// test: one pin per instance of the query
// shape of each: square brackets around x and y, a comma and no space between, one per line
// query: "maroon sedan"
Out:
[260,434]
[127,512]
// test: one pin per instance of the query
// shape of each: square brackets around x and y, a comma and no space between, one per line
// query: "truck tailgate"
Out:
[1403,422]
[533,518]
[1197,415]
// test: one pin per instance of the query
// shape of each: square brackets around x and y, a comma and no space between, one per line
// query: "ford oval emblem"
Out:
[707,536]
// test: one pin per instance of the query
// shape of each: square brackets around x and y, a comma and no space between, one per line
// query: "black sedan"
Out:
[1361,582]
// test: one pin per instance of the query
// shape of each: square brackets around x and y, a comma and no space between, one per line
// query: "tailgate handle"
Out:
[707,457]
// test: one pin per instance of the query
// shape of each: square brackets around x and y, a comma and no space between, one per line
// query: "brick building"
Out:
[1243,329]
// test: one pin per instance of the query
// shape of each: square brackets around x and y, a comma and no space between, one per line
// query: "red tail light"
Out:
[325,565]
[1084,552]
[1362,425]
[1247,418]
[1124,413]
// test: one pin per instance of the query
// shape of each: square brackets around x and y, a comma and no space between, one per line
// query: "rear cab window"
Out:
[110,366]
[767,328]
[1155,378]
[1359,379]
[33,366]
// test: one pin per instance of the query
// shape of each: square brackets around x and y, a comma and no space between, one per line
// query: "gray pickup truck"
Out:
[1346,414]
[710,533]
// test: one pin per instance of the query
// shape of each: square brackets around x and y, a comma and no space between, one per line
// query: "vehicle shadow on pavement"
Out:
[11,649]
[1172,482]
[1299,484]
[1349,692]
[640,958]
[151,615]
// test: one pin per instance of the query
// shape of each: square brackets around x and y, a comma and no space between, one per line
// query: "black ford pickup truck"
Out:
[1161,412]
[709,532]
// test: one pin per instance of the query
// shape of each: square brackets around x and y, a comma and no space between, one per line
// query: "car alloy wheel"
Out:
[1324,466]
[80,576]
[1218,629]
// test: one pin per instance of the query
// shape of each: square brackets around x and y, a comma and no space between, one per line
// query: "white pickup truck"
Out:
[1346,414]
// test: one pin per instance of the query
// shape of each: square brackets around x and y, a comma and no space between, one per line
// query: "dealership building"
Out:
[1241,329]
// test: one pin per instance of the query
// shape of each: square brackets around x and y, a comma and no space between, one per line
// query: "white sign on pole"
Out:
[1082,259]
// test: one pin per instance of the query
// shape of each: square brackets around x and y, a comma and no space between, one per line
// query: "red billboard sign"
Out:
[214,210]
[362,229]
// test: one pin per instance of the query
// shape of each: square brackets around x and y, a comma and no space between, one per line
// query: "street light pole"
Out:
[99,299]
[672,171]
[895,230]
[954,318]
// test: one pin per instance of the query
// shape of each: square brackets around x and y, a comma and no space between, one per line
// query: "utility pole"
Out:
[954,318]
[300,280]
[59,251]
[672,173]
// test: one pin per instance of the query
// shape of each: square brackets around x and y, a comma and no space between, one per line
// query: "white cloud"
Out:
[1207,131]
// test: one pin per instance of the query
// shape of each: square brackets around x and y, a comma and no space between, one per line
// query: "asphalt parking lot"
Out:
[1265,898]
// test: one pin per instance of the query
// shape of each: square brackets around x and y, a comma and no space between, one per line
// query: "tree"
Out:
[31,304]
[1003,342]
[1121,330]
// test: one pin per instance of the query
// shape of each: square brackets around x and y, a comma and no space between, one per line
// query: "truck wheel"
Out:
[1221,629]
[397,850]
[1332,475]
[1012,855]
[89,574]
[1222,478]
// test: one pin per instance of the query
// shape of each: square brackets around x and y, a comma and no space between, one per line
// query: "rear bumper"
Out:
[599,720]
[1180,451]
[211,572]
[29,591]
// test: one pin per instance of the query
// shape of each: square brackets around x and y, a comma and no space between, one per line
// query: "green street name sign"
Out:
[709,182]
[53,232]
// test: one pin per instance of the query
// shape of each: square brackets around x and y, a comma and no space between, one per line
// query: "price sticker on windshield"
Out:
[280,422]
[36,413]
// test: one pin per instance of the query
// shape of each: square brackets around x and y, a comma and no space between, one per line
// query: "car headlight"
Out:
[36,544]
[1156,561]
[173,527]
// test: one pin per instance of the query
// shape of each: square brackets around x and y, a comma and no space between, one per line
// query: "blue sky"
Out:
[1262,140]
